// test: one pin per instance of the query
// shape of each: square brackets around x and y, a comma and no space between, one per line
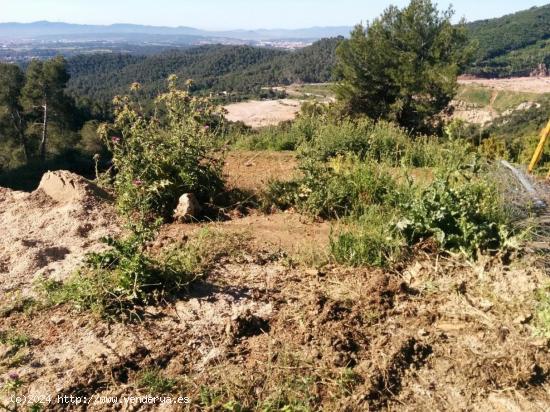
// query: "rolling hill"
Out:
[213,68]
[58,30]
[512,45]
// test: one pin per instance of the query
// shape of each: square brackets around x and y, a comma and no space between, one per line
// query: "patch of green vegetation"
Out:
[365,175]
[118,282]
[17,348]
[295,393]
[348,380]
[277,138]
[370,240]
[542,316]
[478,96]
[15,340]
[155,383]
[508,100]
[19,304]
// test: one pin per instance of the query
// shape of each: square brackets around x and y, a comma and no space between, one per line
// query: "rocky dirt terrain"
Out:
[271,324]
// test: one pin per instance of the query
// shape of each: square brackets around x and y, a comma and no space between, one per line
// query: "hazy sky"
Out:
[232,14]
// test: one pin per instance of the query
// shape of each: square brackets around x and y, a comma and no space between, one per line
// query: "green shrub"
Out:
[157,159]
[330,139]
[462,211]
[340,187]
[369,240]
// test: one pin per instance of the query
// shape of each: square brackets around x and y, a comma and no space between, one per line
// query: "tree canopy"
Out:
[404,65]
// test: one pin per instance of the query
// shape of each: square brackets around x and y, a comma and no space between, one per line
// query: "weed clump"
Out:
[153,381]
[158,158]
[120,281]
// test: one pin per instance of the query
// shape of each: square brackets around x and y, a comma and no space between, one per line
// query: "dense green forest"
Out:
[512,45]
[240,71]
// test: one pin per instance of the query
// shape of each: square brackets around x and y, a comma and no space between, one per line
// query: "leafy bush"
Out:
[340,187]
[157,159]
[461,211]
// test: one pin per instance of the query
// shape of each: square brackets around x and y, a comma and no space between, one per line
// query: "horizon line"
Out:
[181,26]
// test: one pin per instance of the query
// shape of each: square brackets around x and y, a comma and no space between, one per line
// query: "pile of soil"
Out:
[47,232]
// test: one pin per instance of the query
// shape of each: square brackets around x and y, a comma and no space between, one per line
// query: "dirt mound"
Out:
[63,186]
[47,232]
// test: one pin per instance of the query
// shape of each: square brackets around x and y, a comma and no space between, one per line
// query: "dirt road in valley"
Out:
[518,84]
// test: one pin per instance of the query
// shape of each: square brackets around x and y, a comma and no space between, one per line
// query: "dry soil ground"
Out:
[267,327]
[272,112]
[263,113]
[516,84]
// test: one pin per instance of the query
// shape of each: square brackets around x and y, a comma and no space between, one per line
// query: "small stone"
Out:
[188,208]
[485,305]
[423,332]
[541,343]
[56,320]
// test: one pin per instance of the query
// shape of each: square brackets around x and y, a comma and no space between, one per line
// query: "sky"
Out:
[234,14]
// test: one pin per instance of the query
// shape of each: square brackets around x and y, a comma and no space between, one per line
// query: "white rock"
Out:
[188,208]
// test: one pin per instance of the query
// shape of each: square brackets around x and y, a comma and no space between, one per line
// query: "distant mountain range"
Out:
[59,31]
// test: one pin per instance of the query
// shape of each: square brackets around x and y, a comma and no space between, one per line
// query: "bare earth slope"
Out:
[517,84]
[44,237]
[263,113]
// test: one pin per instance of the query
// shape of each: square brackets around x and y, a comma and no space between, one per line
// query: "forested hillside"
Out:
[512,45]
[242,70]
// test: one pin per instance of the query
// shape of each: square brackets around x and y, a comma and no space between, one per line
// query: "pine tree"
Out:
[44,90]
[403,66]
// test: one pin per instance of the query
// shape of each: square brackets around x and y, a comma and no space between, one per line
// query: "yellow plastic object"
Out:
[540,148]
